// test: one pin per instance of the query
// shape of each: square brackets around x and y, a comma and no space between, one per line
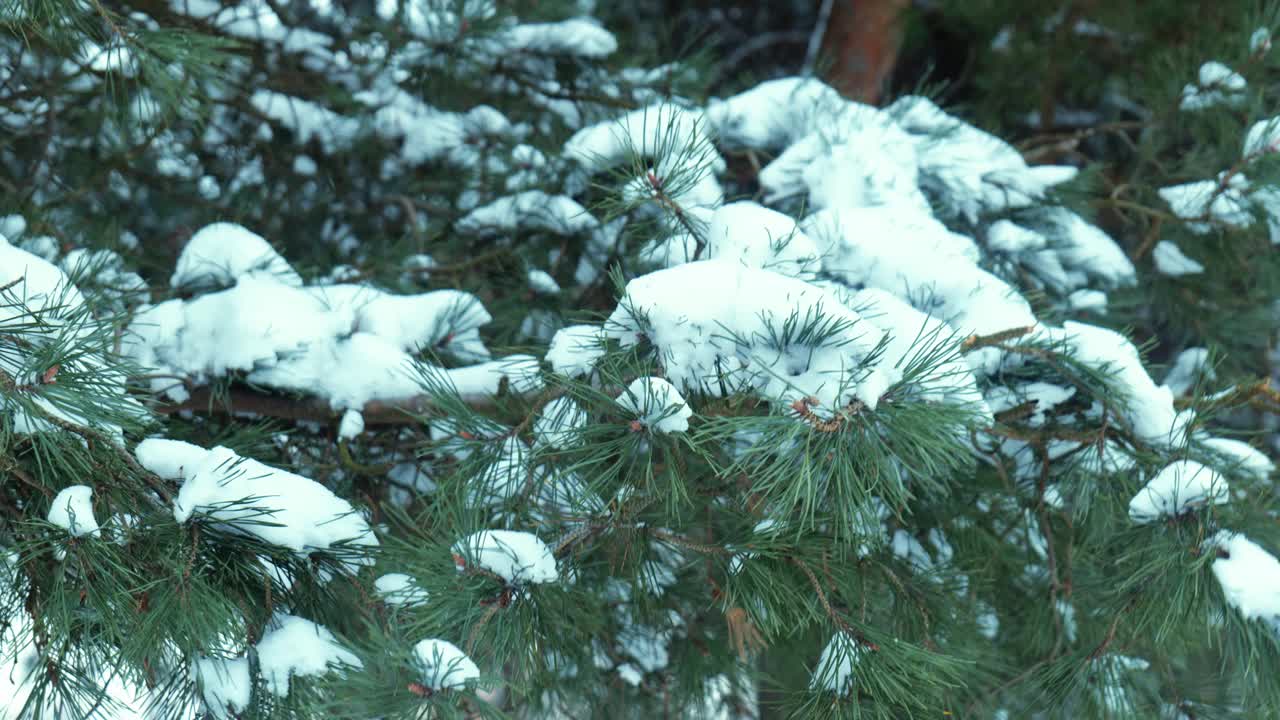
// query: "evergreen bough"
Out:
[433,359]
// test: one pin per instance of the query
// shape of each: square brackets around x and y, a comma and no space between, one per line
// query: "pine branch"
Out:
[405,411]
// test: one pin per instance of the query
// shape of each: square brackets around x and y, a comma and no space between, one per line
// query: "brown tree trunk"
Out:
[861,45]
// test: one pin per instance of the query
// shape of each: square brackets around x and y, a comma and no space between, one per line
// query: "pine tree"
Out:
[452,358]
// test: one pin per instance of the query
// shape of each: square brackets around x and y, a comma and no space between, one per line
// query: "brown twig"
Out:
[826,606]
[7,382]
[403,411]
[668,202]
[973,342]
[689,544]
[475,630]
[1111,631]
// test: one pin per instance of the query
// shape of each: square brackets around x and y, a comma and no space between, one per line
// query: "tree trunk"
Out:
[861,45]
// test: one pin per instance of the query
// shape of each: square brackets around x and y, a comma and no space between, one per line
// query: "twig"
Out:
[403,411]
[1106,641]
[24,477]
[484,620]
[7,382]
[815,39]
[752,46]
[973,342]
[826,606]
[670,203]
[822,595]
[149,477]
[350,463]
[689,544]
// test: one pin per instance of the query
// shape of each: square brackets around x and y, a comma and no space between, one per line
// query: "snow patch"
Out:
[517,557]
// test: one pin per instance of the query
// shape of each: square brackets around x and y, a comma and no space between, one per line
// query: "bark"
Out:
[861,46]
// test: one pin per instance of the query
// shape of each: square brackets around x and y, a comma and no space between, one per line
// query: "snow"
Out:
[834,672]
[243,328]
[209,188]
[907,547]
[407,481]
[873,167]
[646,645]
[575,349]
[1084,249]
[563,496]
[1067,612]
[225,685]
[1009,237]
[350,344]
[971,171]
[849,165]
[400,590]
[844,154]
[657,404]
[1188,367]
[304,165]
[520,372]
[234,491]
[1241,457]
[307,120]
[532,210]
[1171,261]
[578,36]
[1205,201]
[872,230]
[1249,576]
[114,58]
[1046,397]
[36,287]
[412,322]
[349,373]
[42,286]
[897,284]
[1180,487]
[1263,137]
[391,373]
[1109,685]
[252,19]
[42,246]
[755,236]
[558,424]
[1216,84]
[21,668]
[695,192]
[13,226]
[428,133]
[517,557]
[719,327]
[1084,300]
[774,113]
[912,336]
[1260,40]
[541,282]
[914,257]
[630,674]
[444,666]
[221,253]
[662,131]
[297,647]
[72,510]
[1147,408]
[351,426]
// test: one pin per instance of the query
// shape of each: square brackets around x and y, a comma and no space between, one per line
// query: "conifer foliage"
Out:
[444,358]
